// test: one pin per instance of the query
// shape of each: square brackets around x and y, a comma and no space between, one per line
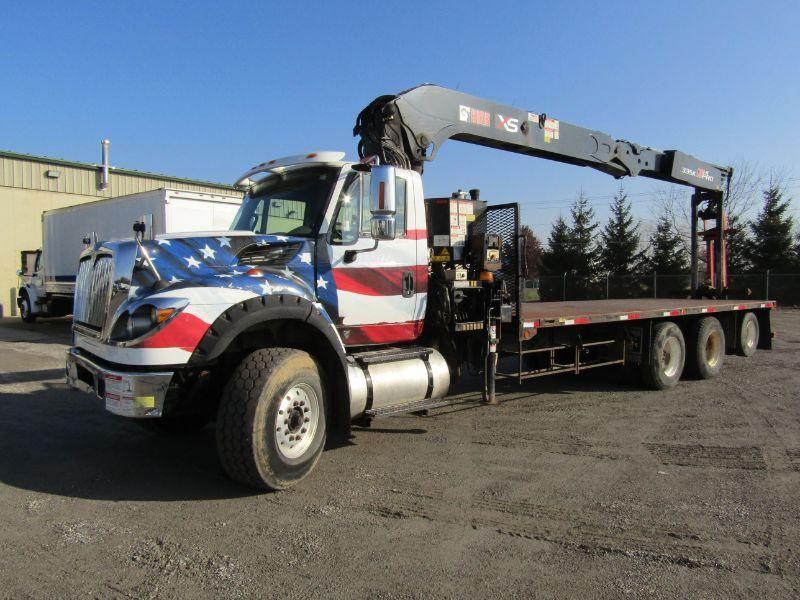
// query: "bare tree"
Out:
[533,253]
[745,194]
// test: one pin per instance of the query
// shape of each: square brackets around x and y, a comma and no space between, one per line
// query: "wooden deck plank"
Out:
[549,314]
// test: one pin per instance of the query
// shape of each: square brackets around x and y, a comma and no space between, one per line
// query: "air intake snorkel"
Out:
[139,229]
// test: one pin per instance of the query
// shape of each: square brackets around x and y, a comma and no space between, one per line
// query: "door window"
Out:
[349,211]
[400,187]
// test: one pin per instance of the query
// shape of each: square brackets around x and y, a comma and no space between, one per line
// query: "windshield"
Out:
[291,203]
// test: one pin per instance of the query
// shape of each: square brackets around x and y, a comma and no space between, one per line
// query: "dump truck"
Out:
[341,294]
[47,275]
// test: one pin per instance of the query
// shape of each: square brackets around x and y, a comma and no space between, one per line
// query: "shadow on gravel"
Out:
[43,331]
[61,442]
[28,376]
[413,431]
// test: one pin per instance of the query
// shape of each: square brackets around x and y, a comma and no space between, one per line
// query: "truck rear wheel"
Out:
[748,335]
[707,351]
[667,357]
[25,308]
[271,421]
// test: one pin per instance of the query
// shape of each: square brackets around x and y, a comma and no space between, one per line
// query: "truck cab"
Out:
[31,283]
[311,273]
[374,293]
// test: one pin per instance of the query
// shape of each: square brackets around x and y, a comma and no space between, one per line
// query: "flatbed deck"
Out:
[556,314]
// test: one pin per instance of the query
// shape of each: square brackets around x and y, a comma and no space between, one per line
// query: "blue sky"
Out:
[207,89]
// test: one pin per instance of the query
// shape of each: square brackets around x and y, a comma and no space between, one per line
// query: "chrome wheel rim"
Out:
[23,308]
[713,349]
[296,420]
[671,356]
[750,334]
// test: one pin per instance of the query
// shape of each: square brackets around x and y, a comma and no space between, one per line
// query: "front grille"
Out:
[93,291]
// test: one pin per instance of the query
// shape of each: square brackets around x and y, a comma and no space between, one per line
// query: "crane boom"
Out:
[407,129]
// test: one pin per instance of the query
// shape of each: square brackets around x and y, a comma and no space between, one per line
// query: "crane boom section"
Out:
[408,129]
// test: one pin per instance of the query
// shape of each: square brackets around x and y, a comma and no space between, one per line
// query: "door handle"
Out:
[408,284]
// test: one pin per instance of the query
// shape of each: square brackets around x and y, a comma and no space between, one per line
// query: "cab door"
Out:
[379,294]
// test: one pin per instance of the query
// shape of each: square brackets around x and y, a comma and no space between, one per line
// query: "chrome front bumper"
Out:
[129,394]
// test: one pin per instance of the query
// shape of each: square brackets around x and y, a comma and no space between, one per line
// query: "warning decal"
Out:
[441,255]
[550,130]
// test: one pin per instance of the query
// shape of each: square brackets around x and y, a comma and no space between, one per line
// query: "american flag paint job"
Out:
[205,269]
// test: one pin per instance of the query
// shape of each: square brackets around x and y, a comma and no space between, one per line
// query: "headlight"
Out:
[145,318]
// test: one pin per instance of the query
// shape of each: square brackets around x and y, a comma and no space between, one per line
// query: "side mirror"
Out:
[20,272]
[382,202]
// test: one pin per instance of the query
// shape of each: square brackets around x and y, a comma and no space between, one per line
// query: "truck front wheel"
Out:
[25,308]
[667,357]
[271,421]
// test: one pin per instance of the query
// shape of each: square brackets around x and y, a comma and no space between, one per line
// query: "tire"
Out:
[271,423]
[748,335]
[25,308]
[169,426]
[707,350]
[667,357]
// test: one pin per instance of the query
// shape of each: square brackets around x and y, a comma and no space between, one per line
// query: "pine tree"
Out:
[556,260]
[667,255]
[619,240]
[583,253]
[797,253]
[736,244]
[771,245]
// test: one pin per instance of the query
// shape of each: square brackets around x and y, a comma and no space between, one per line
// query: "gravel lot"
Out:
[576,487]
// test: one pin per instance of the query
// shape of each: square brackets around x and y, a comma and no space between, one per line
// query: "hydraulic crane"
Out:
[406,130]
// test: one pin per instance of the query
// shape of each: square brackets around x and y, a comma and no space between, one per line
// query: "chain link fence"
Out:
[782,287]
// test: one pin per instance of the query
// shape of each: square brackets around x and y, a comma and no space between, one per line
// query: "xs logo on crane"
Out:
[508,123]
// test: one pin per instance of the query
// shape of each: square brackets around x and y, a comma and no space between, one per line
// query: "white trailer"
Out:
[47,276]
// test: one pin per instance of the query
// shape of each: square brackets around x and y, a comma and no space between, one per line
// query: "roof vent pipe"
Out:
[104,144]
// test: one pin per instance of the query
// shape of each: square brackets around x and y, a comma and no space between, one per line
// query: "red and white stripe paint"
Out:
[370,292]
[576,321]
[174,343]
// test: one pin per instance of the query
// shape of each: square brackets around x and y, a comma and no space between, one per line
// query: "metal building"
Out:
[30,185]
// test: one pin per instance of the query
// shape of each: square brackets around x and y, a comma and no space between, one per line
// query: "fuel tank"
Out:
[395,377]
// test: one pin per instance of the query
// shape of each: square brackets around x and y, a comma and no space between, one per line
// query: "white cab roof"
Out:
[291,162]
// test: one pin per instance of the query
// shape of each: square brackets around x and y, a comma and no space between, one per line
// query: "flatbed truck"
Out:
[342,294]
